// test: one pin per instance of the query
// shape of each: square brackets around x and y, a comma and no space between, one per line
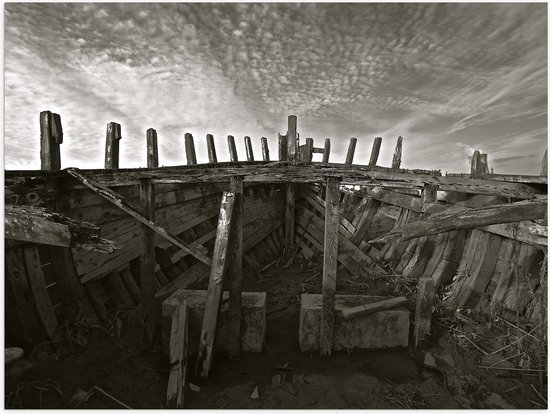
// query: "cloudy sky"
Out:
[449,78]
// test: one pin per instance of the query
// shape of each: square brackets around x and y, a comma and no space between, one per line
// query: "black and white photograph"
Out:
[268,205]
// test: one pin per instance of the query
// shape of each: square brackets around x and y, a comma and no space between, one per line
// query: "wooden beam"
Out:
[235,271]
[190,149]
[51,136]
[119,201]
[292,135]
[147,258]
[152,149]
[220,261]
[212,157]
[177,380]
[428,196]
[232,148]
[351,151]
[283,147]
[375,150]
[370,308]
[289,220]
[112,146]
[265,149]
[308,150]
[38,225]
[475,164]
[35,278]
[513,178]
[248,146]
[423,315]
[326,151]
[396,161]
[484,164]
[467,219]
[330,264]
[544,164]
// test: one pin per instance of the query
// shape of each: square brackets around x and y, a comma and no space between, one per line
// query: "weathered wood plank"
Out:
[152,149]
[370,308]
[289,220]
[375,151]
[35,279]
[330,265]
[423,315]
[265,149]
[292,135]
[215,286]
[351,151]
[232,148]
[283,147]
[50,159]
[248,147]
[177,380]
[396,160]
[235,271]
[121,203]
[190,153]
[212,157]
[112,145]
[326,151]
[472,218]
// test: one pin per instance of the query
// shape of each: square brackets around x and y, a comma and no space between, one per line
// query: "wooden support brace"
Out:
[152,149]
[248,146]
[147,257]
[326,150]
[112,145]
[396,161]
[177,381]
[375,150]
[220,262]
[423,315]
[330,264]
[120,202]
[265,149]
[351,151]
[190,149]
[232,148]
[235,270]
[212,157]
[51,136]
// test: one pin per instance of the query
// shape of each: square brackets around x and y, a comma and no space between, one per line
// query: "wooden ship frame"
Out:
[79,243]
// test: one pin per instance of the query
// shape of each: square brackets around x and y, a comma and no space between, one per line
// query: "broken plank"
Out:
[370,308]
[177,380]
[220,261]
[121,203]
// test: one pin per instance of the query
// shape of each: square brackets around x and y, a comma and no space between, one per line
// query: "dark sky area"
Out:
[449,78]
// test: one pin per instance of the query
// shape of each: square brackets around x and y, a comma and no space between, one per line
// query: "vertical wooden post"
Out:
[289,221]
[375,150]
[215,286]
[475,164]
[232,148]
[396,161]
[292,135]
[326,150]
[423,315]
[177,381]
[544,167]
[51,135]
[234,272]
[283,147]
[265,149]
[308,150]
[147,258]
[484,164]
[248,146]
[351,151]
[190,149]
[330,264]
[212,157]
[152,149]
[428,196]
[112,146]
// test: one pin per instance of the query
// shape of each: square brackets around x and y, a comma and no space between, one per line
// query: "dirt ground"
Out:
[440,376]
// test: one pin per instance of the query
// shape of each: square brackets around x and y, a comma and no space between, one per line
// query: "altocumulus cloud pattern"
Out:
[448,77]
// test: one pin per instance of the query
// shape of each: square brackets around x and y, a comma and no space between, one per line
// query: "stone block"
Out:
[253,312]
[385,329]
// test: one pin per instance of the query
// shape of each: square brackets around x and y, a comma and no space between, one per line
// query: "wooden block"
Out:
[423,315]
[215,285]
[177,380]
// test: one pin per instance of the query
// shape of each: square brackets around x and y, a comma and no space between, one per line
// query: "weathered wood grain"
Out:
[177,380]
[50,159]
[396,160]
[375,151]
[232,148]
[248,147]
[351,151]
[152,149]
[212,157]
[112,145]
